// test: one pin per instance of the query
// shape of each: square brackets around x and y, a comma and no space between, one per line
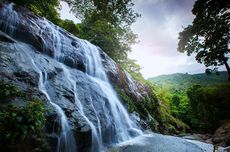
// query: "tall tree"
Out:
[116,41]
[106,23]
[209,34]
[117,12]
[45,8]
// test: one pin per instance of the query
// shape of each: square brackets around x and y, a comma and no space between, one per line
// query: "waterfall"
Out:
[121,127]
[124,128]
[96,134]
[66,141]
[118,124]
[9,19]
[65,138]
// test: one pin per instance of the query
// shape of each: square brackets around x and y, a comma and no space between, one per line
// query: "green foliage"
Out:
[168,123]
[209,34]
[133,69]
[70,26]
[7,90]
[45,8]
[199,107]
[149,107]
[138,106]
[117,12]
[21,126]
[114,40]
[210,104]
[20,123]
[106,24]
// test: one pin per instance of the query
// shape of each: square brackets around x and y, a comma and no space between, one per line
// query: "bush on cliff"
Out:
[21,128]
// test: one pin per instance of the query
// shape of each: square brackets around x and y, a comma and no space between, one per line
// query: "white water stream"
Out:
[120,126]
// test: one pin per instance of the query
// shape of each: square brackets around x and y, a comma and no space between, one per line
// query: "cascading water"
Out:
[96,134]
[116,120]
[9,19]
[65,139]
[121,126]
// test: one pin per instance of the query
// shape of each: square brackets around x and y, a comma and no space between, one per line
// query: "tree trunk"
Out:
[228,69]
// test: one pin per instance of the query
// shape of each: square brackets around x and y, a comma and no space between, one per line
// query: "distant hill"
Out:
[183,81]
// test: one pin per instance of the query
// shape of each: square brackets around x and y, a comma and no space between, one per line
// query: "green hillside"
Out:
[184,81]
[199,100]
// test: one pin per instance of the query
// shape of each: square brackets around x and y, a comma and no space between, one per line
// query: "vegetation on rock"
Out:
[21,126]
[9,91]
[156,114]
[47,9]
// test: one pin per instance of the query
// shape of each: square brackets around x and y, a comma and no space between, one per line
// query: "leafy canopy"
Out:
[114,40]
[45,8]
[115,11]
[209,34]
[210,104]
[106,23]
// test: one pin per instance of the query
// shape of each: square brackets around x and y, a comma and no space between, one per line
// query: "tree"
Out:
[209,34]
[117,12]
[210,104]
[133,69]
[69,26]
[114,40]
[106,23]
[45,8]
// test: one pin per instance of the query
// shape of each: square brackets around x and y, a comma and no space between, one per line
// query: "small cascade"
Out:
[66,141]
[96,134]
[8,19]
[122,128]
[57,38]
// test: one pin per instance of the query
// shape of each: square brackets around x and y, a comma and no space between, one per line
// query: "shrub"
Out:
[7,90]
[18,124]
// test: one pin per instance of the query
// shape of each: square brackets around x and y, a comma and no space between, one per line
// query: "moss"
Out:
[144,107]
[126,99]
[170,124]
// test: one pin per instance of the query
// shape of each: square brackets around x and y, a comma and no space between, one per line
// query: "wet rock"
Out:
[5,38]
[221,136]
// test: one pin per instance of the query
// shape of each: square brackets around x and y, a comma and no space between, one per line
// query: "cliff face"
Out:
[71,76]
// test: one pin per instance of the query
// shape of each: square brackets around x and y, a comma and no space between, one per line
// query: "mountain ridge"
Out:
[185,79]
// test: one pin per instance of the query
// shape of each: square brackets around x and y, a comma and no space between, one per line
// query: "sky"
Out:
[157,29]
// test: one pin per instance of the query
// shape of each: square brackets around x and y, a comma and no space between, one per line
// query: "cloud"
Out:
[161,22]
[158,29]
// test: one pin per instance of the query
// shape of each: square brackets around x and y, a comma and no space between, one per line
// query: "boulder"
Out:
[221,136]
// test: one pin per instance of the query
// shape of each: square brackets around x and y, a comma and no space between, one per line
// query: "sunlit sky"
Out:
[157,29]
